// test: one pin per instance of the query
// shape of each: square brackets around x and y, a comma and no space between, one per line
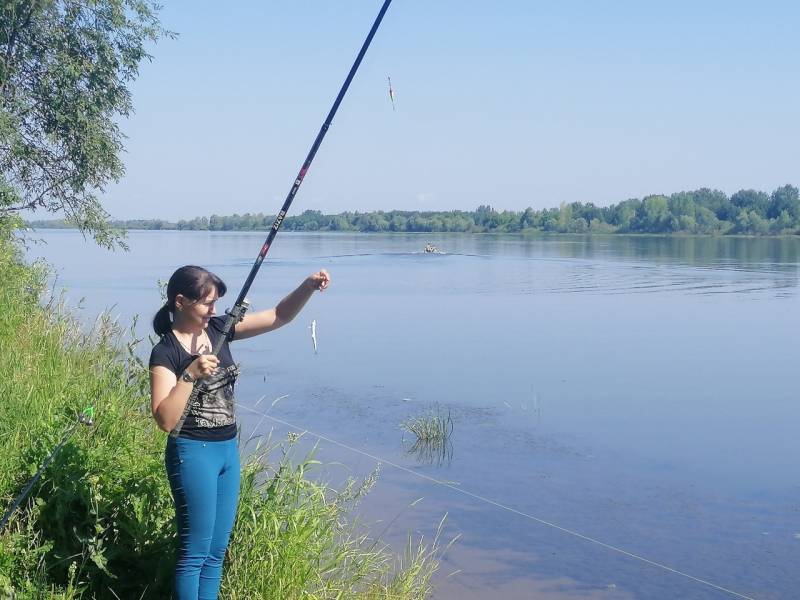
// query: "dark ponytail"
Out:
[162,322]
[192,282]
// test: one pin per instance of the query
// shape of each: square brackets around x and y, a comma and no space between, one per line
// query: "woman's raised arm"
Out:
[287,309]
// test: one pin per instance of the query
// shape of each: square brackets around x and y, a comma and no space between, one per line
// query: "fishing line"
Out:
[507,508]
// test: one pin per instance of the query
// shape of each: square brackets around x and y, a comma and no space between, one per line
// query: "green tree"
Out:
[749,221]
[714,200]
[398,223]
[624,213]
[787,199]
[682,204]
[599,226]
[751,200]
[743,223]
[586,211]
[687,223]
[758,224]
[550,224]
[65,68]
[485,216]
[564,217]
[578,225]
[783,223]
[707,221]
[653,215]
[527,219]
[339,223]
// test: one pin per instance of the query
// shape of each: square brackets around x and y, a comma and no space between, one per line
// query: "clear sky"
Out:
[512,104]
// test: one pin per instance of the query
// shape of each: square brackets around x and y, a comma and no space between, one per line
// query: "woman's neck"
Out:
[187,329]
[193,339]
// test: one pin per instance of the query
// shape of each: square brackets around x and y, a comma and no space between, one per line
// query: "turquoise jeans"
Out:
[204,477]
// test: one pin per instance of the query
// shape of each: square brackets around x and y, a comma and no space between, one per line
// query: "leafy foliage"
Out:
[65,67]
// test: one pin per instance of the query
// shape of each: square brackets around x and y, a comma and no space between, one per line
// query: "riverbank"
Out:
[98,524]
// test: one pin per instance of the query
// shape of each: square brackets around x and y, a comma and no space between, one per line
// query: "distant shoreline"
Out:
[699,212]
[432,234]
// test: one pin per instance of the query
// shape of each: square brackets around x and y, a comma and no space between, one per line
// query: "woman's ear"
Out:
[180,302]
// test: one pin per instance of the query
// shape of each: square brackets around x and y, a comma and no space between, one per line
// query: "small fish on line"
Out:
[391,92]
[313,328]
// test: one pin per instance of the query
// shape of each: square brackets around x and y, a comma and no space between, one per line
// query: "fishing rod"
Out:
[236,314]
[85,418]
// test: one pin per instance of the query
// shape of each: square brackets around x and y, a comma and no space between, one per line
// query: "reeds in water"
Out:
[432,431]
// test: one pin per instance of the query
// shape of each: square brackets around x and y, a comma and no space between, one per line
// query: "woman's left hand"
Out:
[319,280]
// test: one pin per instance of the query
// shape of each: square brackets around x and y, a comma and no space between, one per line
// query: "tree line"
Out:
[703,211]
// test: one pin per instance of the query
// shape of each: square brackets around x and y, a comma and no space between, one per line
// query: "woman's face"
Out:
[197,313]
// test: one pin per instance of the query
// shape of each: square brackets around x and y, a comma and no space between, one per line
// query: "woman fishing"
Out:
[202,460]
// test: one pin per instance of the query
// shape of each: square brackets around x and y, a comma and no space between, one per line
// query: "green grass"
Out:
[432,427]
[432,431]
[99,523]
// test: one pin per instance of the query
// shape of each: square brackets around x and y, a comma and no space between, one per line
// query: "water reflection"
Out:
[432,453]
[758,253]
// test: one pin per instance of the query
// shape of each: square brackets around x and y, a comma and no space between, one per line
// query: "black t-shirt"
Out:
[211,416]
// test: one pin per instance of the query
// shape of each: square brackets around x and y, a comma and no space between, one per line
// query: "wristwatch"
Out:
[187,377]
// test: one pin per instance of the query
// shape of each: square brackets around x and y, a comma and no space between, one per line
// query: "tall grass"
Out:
[433,426]
[432,431]
[305,548]
[99,523]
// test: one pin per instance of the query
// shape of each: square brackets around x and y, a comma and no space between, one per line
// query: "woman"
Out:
[203,460]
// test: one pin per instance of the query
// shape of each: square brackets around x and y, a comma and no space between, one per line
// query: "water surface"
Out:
[640,391]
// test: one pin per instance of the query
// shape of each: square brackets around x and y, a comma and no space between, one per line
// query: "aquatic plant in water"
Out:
[432,431]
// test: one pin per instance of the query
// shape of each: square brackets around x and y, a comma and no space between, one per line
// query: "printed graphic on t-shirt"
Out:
[214,406]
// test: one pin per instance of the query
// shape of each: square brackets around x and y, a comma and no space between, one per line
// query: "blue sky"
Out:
[512,104]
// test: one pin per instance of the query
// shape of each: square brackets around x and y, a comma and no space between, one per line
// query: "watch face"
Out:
[187,377]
